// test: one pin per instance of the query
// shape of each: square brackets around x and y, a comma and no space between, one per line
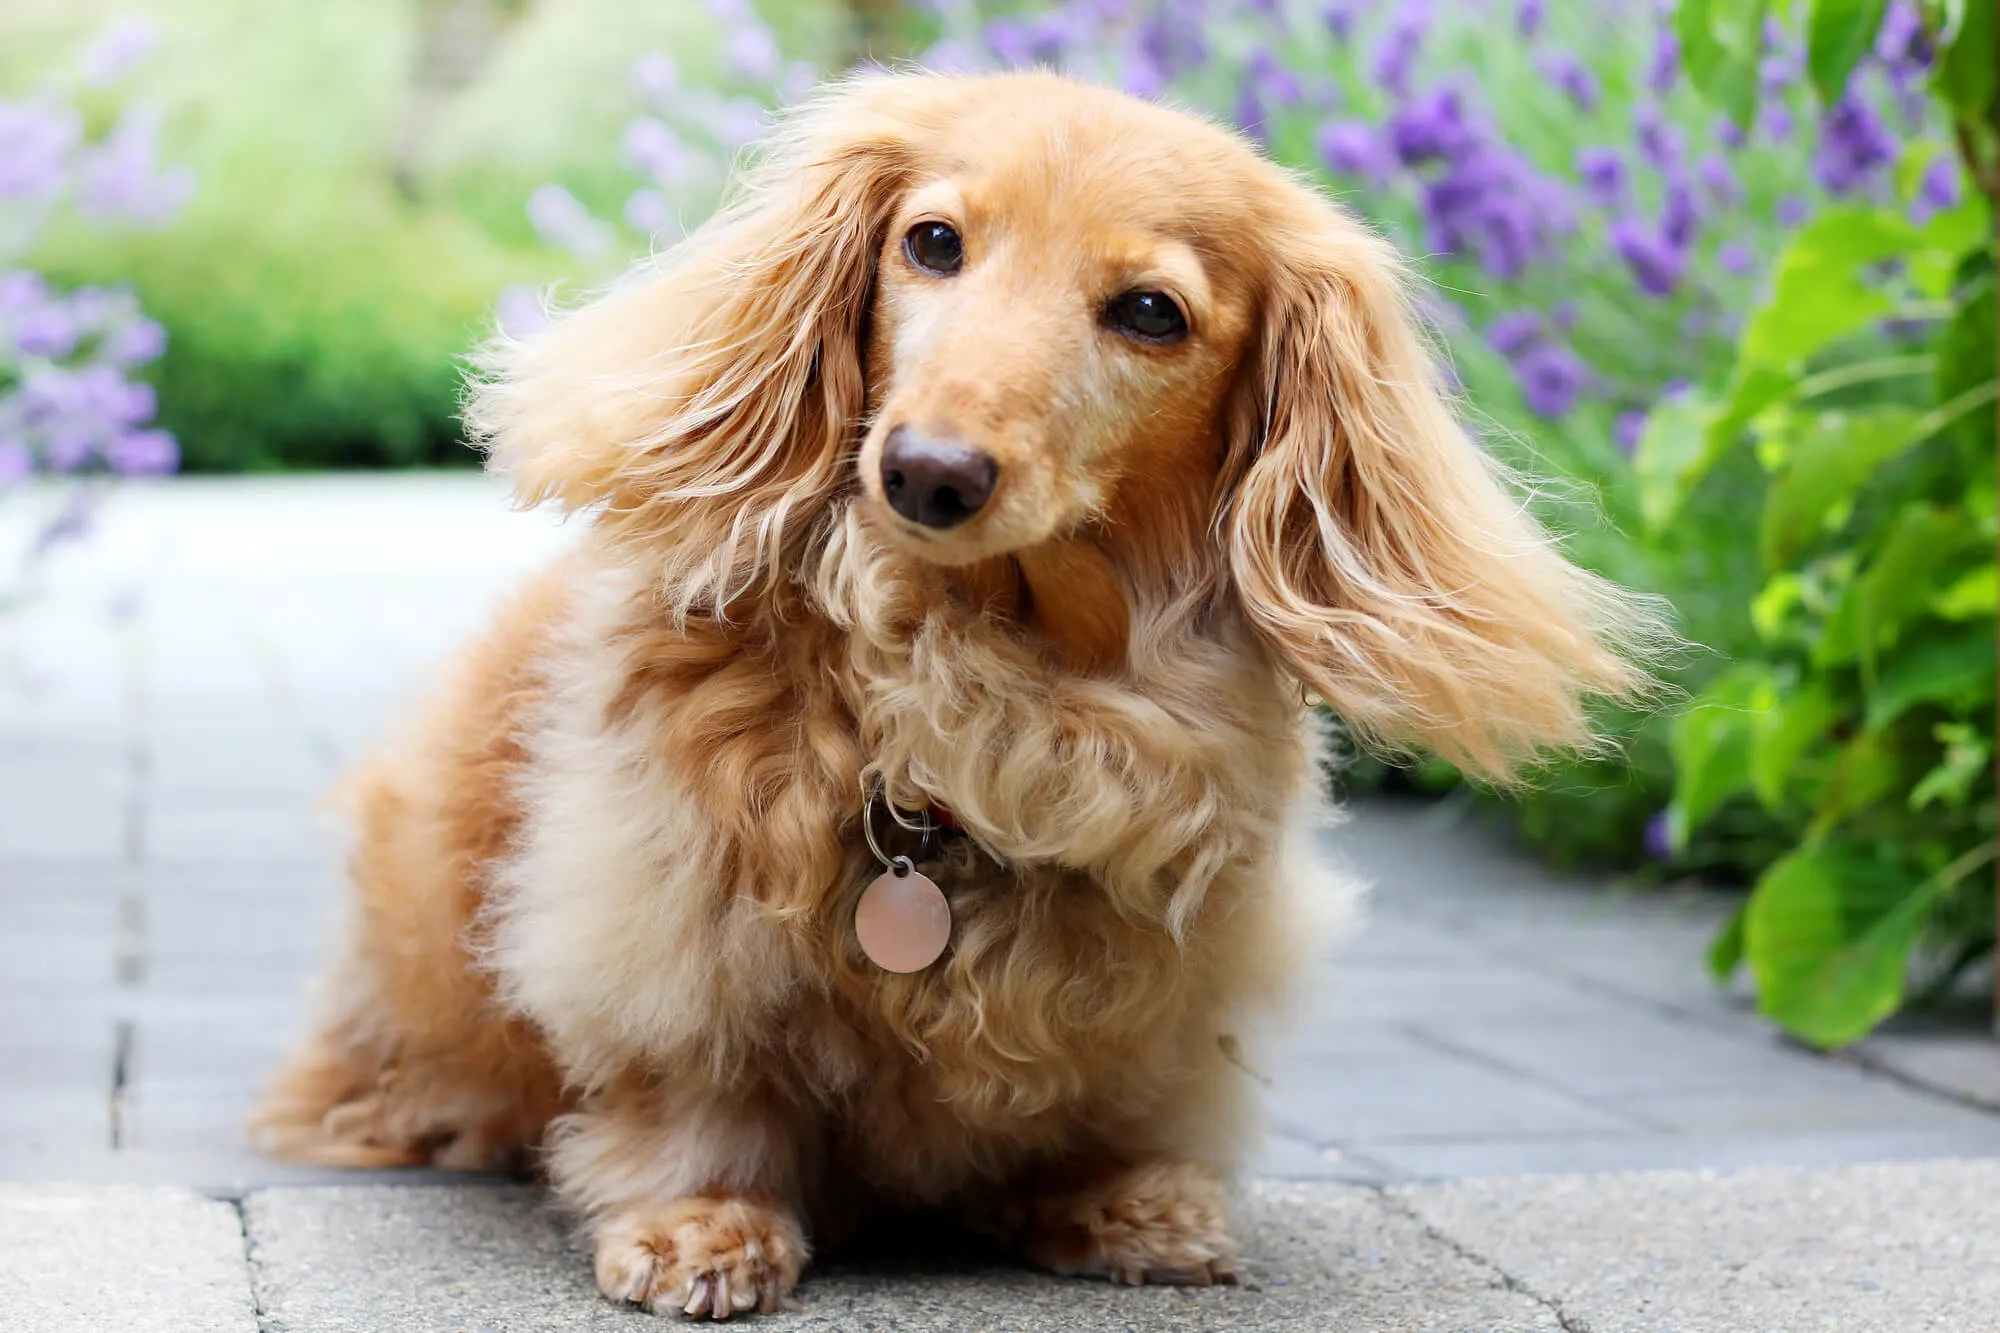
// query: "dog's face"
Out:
[1064,341]
[1056,320]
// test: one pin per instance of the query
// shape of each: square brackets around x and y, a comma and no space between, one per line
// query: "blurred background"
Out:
[1720,275]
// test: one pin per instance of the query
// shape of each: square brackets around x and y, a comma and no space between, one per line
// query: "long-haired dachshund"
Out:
[901,799]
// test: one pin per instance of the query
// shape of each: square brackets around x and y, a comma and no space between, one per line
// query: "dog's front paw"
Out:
[701,1256]
[1162,1222]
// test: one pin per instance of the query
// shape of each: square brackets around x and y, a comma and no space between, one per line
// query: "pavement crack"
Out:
[265,1324]
[1564,1320]
[121,1079]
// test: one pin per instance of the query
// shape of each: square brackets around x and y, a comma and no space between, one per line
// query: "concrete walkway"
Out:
[192,677]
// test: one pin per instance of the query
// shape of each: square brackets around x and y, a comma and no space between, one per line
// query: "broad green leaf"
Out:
[1842,32]
[1966,71]
[1975,596]
[1721,41]
[1956,672]
[1966,359]
[1865,771]
[1783,734]
[1966,755]
[1725,953]
[1818,292]
[1711,746]
[1830,462]
[1828,933]
[1896,585]
[1671,459]
[1752,389]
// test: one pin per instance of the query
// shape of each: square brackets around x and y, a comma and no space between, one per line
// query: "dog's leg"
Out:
[691,1196]
[1161,1221]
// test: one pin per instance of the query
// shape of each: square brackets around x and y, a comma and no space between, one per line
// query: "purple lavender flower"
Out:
[16,462]
[1774,121]
[1779,70]
[1274,82]
[1603,175]
[751,51]
[520,311]
[1528,17]
[646,211]
[955,57]
[1354,148]
[121,175]
[142,453]
[1661,142]
[46,331]
[1665,69]
[1339,18]
[653,149]
[1627,430]
[561,220]
[35,144]
[1680,214]
[1568,73]
[134,342]
[1656,263]
[1791,211]
[1396,54]
[1901,43]
[1735,257]
[1658,839]
[1719,178]
[1854,146]
[1729,133]
[656,78]
[116,51]
[1142,76]
[1512,334]
[1551,377]
[1430,127]
[1938,190]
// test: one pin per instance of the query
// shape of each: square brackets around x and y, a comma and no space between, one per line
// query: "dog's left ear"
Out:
[1379,551]
[706,403]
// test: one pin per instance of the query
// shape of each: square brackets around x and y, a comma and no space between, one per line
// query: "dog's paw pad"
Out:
[702,1257]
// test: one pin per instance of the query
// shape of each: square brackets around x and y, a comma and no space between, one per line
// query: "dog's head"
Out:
[1050,336]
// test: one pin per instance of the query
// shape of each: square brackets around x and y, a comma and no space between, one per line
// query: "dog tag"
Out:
[903,920]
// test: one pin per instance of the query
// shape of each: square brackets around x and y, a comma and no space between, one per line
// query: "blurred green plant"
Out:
[362,168]
[1861,722]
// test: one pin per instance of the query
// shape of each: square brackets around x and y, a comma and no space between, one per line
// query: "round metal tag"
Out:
[903,921]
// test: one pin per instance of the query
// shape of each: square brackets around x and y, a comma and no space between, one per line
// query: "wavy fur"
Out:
[609,879]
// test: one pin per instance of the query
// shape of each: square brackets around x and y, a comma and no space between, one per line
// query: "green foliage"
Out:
[1859,718]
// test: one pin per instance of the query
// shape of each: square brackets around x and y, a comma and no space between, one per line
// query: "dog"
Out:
[991,485]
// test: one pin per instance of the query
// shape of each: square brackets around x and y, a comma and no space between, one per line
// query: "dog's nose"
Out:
[933,482]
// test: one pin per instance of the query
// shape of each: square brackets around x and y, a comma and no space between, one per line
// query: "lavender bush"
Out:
[69,400]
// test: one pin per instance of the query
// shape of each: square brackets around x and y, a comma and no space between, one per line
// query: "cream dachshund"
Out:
[902,799]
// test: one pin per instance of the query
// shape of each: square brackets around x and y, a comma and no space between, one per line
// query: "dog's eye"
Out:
[935,247]
[1152,316]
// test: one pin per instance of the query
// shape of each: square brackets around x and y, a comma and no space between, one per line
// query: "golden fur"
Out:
[607,884]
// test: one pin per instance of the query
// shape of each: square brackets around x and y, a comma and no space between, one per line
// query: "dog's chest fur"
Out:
[683,888]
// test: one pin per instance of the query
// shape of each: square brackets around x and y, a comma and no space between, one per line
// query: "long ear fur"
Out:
[1378,550]
[708,401]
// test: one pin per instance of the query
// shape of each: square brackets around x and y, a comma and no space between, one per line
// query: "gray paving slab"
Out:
[82,1260]
[1321,1258]
[1961,1063]
[1864,1248]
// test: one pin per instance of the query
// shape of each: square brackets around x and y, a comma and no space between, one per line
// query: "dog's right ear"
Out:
[707,403]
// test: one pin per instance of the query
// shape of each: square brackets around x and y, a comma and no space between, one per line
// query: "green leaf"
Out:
[1721,41]
[1966,754]
[1865,771]
[1965,72]
[1967,355]
[1896,585]
[1828,934]
[1711,746]
[1955,671]
[1725,953]
[1829,464]
[1818,294]
[1752,388]
[1842,32]
[1975,596]
[1783,734]
[1671,459]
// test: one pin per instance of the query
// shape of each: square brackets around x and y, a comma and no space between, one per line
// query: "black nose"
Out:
[934,483]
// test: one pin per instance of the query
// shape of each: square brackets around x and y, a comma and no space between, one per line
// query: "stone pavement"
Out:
[192,677]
